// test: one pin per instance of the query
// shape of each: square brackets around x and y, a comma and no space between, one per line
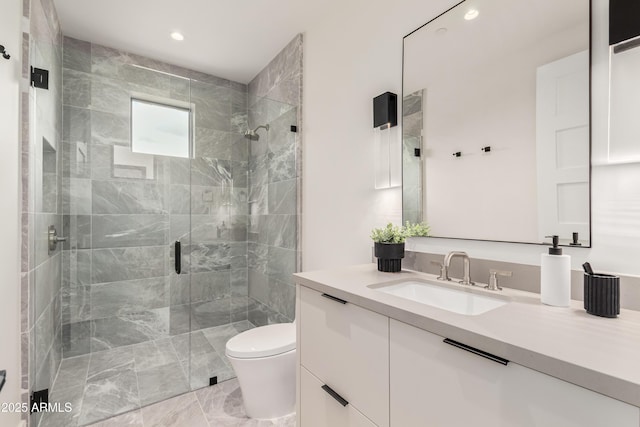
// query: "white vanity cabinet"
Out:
[346,348]
[319,409]
[436,384]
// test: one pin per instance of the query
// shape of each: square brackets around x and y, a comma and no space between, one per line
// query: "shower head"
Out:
[253,134]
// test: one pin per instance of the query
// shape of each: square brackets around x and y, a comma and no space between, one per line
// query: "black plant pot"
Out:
[389,256]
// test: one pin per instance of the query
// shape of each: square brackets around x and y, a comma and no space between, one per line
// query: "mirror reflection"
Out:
[496,129]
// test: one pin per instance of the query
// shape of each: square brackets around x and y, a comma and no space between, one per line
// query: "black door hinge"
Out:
[39,78]
[39,399]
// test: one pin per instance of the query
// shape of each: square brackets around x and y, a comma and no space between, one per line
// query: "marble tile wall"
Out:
[120,287]
[273,254]
[41,183]
[412,124]
[235,206]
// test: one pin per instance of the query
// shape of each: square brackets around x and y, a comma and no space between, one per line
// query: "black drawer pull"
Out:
[178,257]
[335,395]
[331,297]
[481,353]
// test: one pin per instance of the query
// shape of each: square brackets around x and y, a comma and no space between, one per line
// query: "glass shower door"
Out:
[127,201]
[217,254]
[41,158]
[151,164]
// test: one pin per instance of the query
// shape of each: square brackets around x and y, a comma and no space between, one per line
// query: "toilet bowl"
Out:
[264,360]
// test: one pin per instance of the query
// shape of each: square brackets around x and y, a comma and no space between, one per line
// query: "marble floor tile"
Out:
[223,406]
[243,325]
[219,335]
[206,365]
[130,419]
[222,401]
[161,383]
[72,373]
[199,359]
[123,382]
[190,343]
[110,360]
[152,354]
[217,406]
[111,392]
[177,412]
[71,396]
[128,329]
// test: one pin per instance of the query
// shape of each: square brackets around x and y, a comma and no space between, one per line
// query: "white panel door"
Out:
[562,147]
[624,104]
[436,384]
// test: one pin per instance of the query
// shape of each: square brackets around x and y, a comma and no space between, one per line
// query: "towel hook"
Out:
[4,53]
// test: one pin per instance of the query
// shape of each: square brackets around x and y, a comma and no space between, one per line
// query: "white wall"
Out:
[10,37]
[348,60]
[357,56]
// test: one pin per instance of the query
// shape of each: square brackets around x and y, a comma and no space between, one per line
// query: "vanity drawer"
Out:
[437,384]
[319,409]
[347,347]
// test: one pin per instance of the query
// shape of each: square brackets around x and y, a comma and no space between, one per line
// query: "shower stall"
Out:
[176,225]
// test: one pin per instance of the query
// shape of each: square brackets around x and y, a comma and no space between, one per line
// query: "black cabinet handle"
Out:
[331,297]
[477,352]
[178,257]
[335,395]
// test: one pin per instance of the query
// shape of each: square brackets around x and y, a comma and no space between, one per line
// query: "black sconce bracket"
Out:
[385,110]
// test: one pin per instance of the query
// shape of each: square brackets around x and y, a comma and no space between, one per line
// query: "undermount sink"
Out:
[454,300]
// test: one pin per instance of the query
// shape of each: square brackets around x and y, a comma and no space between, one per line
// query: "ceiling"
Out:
[233,39]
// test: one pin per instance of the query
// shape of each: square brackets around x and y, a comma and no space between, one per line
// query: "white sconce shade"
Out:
[387,153]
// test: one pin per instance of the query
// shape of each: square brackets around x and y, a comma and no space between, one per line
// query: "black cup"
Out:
[602,295]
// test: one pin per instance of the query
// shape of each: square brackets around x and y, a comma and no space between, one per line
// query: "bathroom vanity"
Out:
[369,355]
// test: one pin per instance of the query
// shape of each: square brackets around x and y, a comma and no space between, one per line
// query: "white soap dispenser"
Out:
[555,277]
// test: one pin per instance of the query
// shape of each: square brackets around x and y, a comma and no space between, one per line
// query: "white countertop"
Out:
[600,354]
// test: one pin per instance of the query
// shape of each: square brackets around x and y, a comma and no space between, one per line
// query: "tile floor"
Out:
[217,406]
[124,379]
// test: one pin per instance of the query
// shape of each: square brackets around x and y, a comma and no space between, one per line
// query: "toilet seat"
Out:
[263,341]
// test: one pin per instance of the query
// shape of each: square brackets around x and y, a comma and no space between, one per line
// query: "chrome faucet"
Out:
[466,280]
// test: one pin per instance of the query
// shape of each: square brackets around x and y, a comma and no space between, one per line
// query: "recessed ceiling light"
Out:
[471,14]
[177,36]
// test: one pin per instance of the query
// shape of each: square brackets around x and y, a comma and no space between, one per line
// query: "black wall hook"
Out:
[4,53]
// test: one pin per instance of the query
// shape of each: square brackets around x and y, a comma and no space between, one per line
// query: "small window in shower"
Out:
[159,129]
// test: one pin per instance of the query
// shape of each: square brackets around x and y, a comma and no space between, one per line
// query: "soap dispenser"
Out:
[555,276]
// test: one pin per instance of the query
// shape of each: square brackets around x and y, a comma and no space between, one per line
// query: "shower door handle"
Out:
[54,239]
[178,256]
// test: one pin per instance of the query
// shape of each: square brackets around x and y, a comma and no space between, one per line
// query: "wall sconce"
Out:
[387,142]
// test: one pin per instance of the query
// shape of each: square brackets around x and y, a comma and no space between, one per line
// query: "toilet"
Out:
[264,360]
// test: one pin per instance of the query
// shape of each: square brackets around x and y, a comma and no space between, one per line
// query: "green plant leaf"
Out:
[395,234]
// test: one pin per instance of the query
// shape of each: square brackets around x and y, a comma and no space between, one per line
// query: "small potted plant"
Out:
[389,244]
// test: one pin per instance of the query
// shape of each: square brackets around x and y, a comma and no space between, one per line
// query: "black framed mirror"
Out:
[496,122]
